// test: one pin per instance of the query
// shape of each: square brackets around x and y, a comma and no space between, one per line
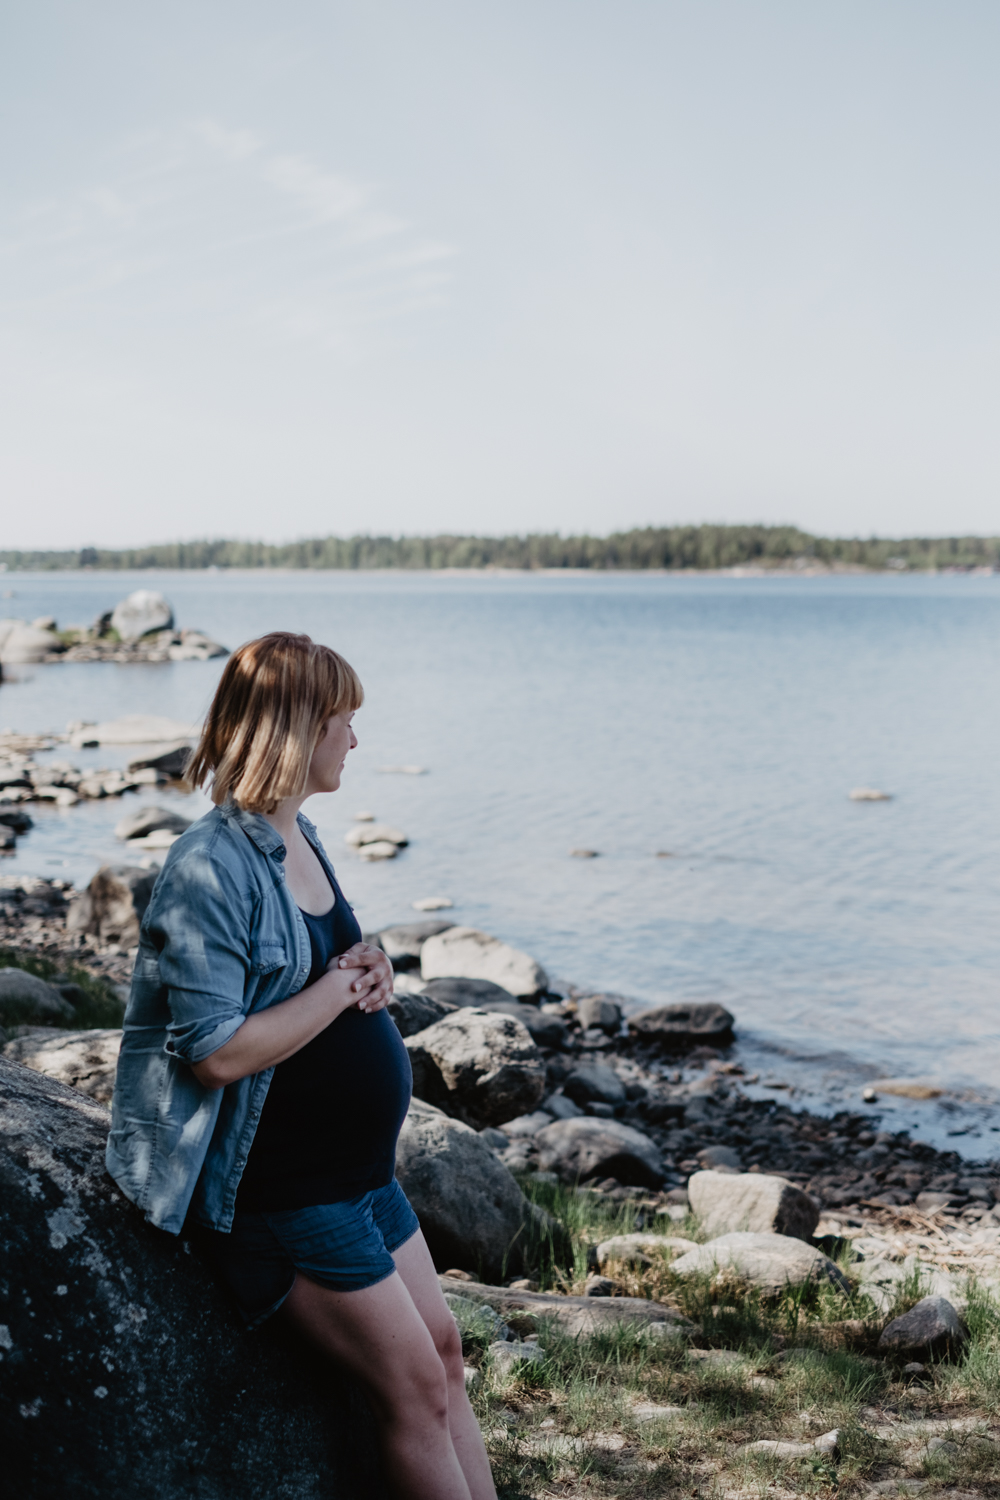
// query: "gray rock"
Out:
[562,1108]
[464,952]
[375,833]
[171,762]
[574,1315]
[403,944]
[599,1010]
[472,1212]
[932,1203]
[599,1286]
[600,1109]
[683,1025]
[754,1201]
[83,1060]
[146,820]
[24,998]
[413,1013]
[721,1158]
[506,1357]
[133,1335]
[7,838]
[494,1138]
[142,612]
[931,1327]
[195,646]
[133,729]
[484,1068]
[464,992]
[768,1261]
[588,1147]
[113,904]
[634,1249]
[526,1125]
[476,1318]
[16,819]
[594,1081]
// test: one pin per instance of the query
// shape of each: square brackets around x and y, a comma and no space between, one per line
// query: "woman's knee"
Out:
[422,1396]
[448,1343]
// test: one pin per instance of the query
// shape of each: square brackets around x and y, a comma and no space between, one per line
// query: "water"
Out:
[720,720]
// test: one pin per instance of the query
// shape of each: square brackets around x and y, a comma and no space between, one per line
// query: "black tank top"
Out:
[334,1109]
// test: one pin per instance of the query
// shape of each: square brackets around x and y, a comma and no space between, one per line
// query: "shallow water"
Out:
[718,721]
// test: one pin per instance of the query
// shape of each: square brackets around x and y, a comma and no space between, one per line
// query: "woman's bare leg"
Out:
[379,1336]
[414,1264]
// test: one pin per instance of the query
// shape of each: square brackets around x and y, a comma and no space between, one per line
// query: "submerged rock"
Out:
[126,1369]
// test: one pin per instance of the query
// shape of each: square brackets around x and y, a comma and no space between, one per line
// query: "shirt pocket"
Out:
[266,957]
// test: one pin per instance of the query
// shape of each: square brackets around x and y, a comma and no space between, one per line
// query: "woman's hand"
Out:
[374,985]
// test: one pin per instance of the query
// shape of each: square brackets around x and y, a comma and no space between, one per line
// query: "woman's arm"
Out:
[269,1036]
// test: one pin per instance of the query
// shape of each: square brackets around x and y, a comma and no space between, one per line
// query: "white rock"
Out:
[433,903]
[25,643]
[526,1125]
[869,794]
[134,729]
[379,850]
[626,1248]
[143,611]
[465,953]
[85,1060]
[650,1411]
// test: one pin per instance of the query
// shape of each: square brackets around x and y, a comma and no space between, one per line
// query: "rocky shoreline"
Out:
[632,1106]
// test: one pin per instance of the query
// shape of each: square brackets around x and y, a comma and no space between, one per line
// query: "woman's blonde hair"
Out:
[273,698]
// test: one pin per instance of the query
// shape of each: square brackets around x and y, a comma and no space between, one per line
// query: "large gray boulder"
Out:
[931,1327]
[591,1148]
[84,1060]
[684,1025]
[473,1214]
[483,1068]
[25,999]
[142,612]
[126,1370]
[113,904]
[415,1012]
[729,1201]
[467,953]
[770,1262]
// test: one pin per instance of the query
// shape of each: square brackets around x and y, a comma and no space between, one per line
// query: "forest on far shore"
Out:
[665,547]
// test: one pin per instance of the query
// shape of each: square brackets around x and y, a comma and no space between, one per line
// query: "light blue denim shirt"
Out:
[222,937]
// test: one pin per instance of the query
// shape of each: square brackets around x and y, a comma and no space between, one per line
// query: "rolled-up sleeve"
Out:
[200,921]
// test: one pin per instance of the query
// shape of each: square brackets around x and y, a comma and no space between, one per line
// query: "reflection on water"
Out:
[721,720]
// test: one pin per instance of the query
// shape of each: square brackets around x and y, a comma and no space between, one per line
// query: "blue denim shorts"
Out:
[345,1246]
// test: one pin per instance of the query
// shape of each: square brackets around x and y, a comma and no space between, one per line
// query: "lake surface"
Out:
[701,733]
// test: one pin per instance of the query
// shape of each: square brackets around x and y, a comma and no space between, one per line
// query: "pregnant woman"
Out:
[262,1084]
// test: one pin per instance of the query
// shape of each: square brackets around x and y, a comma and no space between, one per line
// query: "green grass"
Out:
[808,1364]
[98,1007]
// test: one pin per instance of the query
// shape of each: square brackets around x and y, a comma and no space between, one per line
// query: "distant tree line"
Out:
[669,547]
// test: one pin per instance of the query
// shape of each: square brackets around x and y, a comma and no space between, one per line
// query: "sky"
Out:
[289,270]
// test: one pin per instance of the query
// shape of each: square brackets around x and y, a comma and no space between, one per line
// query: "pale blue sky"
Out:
[282,270]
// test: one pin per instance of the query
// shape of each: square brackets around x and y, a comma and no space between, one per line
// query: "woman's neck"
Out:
[283,818]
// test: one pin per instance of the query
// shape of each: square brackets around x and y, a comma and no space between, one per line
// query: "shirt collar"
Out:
[264,834]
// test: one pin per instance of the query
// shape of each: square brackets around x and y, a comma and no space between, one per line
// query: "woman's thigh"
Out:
[378,1334]
[416,1269]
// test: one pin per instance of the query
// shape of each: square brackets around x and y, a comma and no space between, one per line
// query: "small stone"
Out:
[381,849]
[594,1082]
[433,903]
[376,833]
[598,1011]
[561,1107]
[683,1025]
[930,1327]
[473,1379]
[599,1286]
[720,1159]
[507,1356]
[771,1262]
[829,1441]
[780,1449]
[583,853]
[869,794]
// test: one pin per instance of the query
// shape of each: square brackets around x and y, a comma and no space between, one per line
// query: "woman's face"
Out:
[336,738]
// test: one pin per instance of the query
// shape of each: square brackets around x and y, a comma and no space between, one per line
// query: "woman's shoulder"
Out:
[212,852]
